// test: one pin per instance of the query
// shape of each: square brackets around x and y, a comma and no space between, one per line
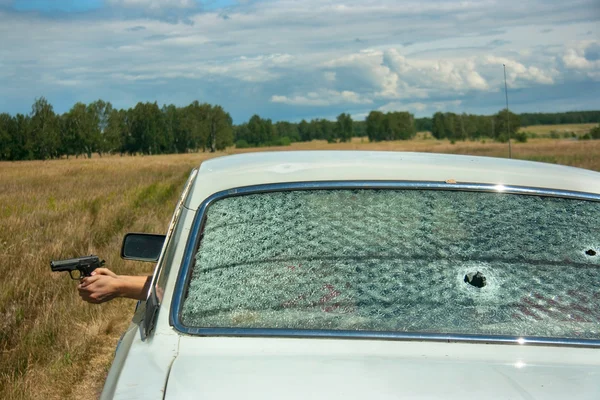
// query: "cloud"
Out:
[391,75]
[366,72]
[322,98]
[419,107]
[271,57]
[584,58]
[519,75]
[498,43]
[136,28]
[396,106]
[153,4]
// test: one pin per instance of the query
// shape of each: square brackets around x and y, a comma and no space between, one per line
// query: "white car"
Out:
[359,275]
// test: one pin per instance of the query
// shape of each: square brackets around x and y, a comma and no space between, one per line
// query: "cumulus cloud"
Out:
[365,70]
[387,74]
[584,58]
[453,74]
[519,75]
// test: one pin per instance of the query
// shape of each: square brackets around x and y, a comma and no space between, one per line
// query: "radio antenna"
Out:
[507,113]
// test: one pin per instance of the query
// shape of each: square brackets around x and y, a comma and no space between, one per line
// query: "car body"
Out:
[163,355]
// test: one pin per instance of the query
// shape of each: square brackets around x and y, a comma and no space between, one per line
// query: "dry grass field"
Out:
[561,130]
[53,345]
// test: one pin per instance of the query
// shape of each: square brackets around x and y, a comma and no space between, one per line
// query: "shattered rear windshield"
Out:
[401,261]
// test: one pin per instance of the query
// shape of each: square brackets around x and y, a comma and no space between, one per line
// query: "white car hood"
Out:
[250,368]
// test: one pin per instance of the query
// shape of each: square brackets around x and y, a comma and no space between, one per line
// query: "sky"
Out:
[295,59]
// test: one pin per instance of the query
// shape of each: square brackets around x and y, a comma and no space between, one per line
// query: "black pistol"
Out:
[77,267]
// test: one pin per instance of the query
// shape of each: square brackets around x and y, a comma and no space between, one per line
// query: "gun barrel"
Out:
[71,264]
[64,265]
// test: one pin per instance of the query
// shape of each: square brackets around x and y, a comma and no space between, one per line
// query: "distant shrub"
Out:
[521,137]
[554,135]
[502,138]
[595,132]
[241,144]
[452,141]
[282,141]
[587,136]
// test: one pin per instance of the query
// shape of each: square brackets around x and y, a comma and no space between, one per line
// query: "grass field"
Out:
[54,346]
[560,130]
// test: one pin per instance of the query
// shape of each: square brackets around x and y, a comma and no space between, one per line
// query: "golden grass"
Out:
[60,209]
[546,130]
[584,153]
[54,346]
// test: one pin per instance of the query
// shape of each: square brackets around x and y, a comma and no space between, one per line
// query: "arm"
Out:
[105,285]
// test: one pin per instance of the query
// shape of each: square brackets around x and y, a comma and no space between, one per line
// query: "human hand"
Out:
[102,286]
[104,271]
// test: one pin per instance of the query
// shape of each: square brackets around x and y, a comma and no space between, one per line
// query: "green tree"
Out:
[359,128]
[44,140]
[501,128]
[399,126]
[21,142]
[173,128]
[147,127]
[289,130]
[79,131]
[220,129]
[423,124]
[7,133]
[375,126]
[438,129]
[117,132]
[390,126]
[343,127]
[100,112]
[324,130]
[304,131]
[256,131]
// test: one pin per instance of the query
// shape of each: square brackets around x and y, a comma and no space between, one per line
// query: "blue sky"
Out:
[294,59]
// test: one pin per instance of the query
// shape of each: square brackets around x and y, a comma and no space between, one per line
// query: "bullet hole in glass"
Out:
[476,279]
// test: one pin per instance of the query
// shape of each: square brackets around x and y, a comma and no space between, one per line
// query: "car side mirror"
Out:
[142,246]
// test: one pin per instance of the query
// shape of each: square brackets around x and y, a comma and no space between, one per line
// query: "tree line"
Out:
[149,129]
[263,132]
[528,119]
[571,117]
[100,128]
[472,127]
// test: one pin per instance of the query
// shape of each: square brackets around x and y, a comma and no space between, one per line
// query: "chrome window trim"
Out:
[195,237]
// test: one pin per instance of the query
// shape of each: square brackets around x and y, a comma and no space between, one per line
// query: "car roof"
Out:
[250,169]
